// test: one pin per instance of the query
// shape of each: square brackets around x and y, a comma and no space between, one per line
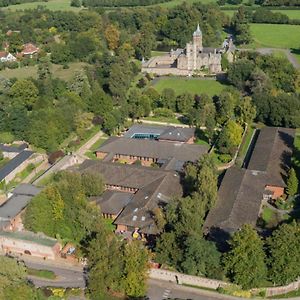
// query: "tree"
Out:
[93,184]
[23,93]
[201,258]
[112,36]
[245,111]
[168,99]
[82,122]
[75,3]
[226,104]
[6,137]
[184,102]
[284,259]
[292,183]
[230,138]
[136,258]
[245,262]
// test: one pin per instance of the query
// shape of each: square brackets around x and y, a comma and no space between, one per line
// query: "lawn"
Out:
[109,224]
[267,214]
[51,4]
[90,154]
[157,53]
[57,71]
[292,14]
[191,85]
[41,273]
[275,36]
[163,119]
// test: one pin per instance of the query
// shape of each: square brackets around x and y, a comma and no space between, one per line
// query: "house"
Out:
[29,243]
[161,133]
[11,209]
[6,57]
[11,151]
[29,49]
[133,193]
[243,190]
[16,165]
[171,156]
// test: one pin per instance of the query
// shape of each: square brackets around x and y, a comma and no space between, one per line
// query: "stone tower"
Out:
[197,39]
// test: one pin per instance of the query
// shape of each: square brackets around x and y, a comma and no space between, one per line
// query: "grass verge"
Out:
[41,273]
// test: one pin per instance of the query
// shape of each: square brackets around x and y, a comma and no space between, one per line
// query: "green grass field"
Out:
[292,14]
[191,85]
[57,71]
[51,4]
[275,36]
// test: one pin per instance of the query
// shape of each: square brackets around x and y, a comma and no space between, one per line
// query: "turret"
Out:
[197,39]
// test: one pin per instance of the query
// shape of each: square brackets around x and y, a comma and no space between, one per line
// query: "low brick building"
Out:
[29,243]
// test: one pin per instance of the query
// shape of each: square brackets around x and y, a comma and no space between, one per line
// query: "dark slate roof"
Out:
[139,212]
[112,202]
[241,190]
[171,133]
[153,148]
[14,163]
[17,202]
[5,148]
[155,186]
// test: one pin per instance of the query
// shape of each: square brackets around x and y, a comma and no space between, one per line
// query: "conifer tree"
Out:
[292,183]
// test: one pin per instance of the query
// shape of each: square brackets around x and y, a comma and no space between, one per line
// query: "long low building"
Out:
[171,156]
[134,193]
[243,191]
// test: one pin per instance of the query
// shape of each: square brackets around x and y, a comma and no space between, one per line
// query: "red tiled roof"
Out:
[29,49]
[3,54]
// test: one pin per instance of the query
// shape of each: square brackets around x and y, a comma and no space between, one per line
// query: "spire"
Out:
[198,31]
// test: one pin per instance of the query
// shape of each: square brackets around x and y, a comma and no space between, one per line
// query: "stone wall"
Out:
[180,278]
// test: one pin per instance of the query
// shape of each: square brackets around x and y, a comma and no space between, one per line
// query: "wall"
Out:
[180,278]
[20,246]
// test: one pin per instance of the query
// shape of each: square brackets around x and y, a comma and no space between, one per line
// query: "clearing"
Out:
[192,85]
[56,70]
[51,4]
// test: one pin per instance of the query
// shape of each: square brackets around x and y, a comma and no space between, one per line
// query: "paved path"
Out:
[43,166]
[160,290]
[84,148]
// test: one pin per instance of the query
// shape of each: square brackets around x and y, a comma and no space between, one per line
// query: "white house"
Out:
[6,57]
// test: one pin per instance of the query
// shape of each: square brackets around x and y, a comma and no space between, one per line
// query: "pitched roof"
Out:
[14,163]
[112,202]
[3,54]
[154,187]
[241,191]
[17,202]
[170,133]
[153,149]
[29,48]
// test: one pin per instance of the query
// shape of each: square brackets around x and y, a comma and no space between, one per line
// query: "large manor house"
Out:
[191,60]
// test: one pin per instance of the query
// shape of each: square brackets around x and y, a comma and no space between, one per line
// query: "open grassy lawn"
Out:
[191,85]
[292,14]
[157,53]
[41,273]
[178,2]
[51,4]
[245,145]
[275,36]
[57,71]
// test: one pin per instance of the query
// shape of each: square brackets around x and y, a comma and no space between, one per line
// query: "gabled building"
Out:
[242,191]
[170,156]
[29,50]
[6,57]
[133,193]
[161,133]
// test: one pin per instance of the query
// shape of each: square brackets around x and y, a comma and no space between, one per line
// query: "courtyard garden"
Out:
[192,85]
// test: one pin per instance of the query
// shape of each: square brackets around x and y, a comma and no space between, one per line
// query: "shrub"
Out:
[163,112]
[6,137]
[225,158]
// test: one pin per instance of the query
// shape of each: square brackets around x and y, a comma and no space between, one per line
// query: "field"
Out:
[191,85]
[51,4]
[292,14]
[275,36]
[57,71]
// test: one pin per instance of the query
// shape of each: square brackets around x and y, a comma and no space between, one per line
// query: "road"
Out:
[66,276]
[160,290]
